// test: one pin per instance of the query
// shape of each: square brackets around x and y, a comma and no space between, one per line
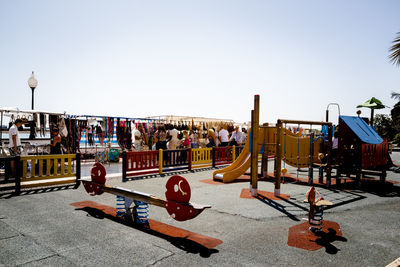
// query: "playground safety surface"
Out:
[67,227]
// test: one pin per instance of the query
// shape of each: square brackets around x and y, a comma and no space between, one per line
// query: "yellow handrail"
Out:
[51,162]
[201,155]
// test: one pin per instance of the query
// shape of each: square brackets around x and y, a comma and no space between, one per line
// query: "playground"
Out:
[253,231]
[284,198]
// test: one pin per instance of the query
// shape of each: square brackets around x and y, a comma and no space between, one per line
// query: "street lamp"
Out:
[32,82]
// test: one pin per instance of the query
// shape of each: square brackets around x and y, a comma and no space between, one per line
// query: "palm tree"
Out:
[396,95]
[372,104]
[394,57]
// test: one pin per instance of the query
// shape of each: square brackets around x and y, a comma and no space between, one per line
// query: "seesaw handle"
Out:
[134,195]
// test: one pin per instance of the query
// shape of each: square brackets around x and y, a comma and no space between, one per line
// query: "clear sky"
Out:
[198,58]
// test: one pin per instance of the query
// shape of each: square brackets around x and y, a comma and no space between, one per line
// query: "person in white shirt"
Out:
[174,142]
[138,134]
[14,144]
[244,135]
[13,137]
[194,139]
[223,136]
[236,138]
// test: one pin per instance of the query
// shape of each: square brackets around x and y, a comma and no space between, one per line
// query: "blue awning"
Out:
[362,130]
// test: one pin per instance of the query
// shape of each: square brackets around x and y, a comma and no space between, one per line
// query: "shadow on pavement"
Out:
[296,203]
[182,243]
[304,237]
[11,192]
[325,240]
[372,186]
[276,205]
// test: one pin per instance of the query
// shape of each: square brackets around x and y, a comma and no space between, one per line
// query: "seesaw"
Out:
[176,203]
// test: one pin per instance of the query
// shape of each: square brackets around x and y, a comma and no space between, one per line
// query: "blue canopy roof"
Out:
[362,130]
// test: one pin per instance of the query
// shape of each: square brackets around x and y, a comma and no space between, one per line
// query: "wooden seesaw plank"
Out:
[156,226]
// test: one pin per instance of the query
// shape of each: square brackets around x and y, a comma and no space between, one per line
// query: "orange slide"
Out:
[240,165]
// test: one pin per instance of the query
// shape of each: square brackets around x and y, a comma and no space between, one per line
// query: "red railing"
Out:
[223,155]
[147,162]
[138,161]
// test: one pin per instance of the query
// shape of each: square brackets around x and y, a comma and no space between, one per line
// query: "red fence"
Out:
[148,162]
[374,155]
[223,155]
[141,162]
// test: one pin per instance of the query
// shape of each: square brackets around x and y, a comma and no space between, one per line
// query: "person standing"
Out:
[223,136]
[55,149]
[160,137]
[14,141]
[211,138]
[55,142]
[194,139]
[138,134]
[236,138]
[186,139]
[14,144]
[244,135]
[174,142]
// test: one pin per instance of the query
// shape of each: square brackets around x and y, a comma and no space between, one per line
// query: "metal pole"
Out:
[372,117]
[327,115]
[1,130]
[33,89]
[124,163]
[189,155]
[329,157]
[327,110]
[78,170]
[160,161]
[213,156]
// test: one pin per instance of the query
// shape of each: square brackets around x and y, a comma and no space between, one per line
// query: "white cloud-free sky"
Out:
[198,58]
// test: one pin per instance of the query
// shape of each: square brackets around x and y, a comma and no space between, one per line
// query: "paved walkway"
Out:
[42,228]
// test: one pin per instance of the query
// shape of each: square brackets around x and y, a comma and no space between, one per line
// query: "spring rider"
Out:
[316,211]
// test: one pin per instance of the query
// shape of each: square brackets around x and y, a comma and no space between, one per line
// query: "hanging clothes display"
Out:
[128,135]
[105,129]
[119,131]
[99,133]
[90,135]
[62,127]
[53,122]
[80,128]
[42,118]
[110,128]
[32,130]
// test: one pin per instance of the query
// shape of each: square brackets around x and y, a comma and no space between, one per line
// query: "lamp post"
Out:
[32,82]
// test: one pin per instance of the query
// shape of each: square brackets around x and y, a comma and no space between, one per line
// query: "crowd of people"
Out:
[154,137]
[169,137]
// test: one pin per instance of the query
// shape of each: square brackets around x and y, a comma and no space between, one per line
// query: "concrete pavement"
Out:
[41,228]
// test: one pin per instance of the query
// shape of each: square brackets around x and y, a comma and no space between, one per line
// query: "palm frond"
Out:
[395,95]
[394,57]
